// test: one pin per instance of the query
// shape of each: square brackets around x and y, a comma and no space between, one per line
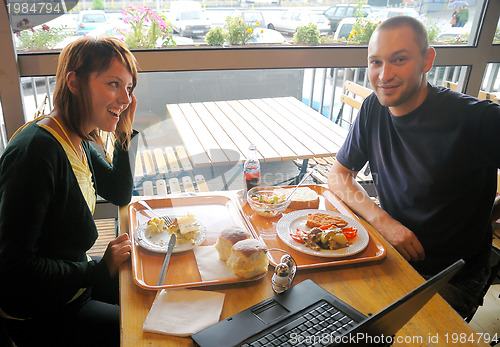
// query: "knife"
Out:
[171,245]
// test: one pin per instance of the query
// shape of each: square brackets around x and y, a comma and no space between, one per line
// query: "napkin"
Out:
[183,312]
[210,266]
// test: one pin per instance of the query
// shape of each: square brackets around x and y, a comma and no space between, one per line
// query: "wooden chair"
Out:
[168,170]
[40,111]
[482,94]
[353,96]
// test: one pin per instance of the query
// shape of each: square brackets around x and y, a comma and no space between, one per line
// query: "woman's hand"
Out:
[131,107]
[117,253]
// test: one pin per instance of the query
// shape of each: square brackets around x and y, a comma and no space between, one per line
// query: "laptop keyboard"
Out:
[316,326]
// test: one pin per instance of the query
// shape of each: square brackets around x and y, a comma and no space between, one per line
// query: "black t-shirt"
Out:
[434,170]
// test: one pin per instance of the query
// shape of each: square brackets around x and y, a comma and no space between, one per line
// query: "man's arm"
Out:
[342,182]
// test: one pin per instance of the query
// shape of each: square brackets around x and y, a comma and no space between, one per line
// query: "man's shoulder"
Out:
[371,107]
[445,95]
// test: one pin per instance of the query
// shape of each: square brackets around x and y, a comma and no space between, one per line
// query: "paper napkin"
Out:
[183,312]
[210,266]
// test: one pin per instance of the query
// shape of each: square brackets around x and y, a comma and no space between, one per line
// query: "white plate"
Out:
[298,219]
[159,242]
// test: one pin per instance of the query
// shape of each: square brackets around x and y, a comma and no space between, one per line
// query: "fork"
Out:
[166,218]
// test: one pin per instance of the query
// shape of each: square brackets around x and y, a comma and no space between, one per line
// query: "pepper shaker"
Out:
[282,279]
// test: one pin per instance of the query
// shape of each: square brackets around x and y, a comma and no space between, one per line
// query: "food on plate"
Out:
[227,238]
[248,258]
[276,197]
[156,226]
[320,219]
[186,228]
[187,224]
[303,198]
[328,237]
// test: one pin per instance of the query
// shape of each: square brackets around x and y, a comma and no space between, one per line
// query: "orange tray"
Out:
[215,212]
[265,229]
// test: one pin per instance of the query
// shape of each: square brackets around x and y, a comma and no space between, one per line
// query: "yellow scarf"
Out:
[80,165]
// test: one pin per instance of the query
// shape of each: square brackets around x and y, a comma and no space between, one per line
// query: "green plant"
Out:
[98,5]
[37,38]
[215,36]
[238,31]
[432,29]
[362,30]
[148,29]
[307,34]
[462,38]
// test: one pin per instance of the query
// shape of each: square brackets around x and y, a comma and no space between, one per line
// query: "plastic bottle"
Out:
[251,170]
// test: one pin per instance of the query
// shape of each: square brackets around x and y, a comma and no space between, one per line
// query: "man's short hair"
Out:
[420,33]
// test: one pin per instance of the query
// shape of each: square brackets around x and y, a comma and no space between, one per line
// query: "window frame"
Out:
[476,57]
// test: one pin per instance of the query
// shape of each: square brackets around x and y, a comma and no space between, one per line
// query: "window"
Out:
[265,71]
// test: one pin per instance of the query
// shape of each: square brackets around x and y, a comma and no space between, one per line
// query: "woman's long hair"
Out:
[86,56]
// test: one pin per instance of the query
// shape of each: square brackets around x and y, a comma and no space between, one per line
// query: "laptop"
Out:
[308,315]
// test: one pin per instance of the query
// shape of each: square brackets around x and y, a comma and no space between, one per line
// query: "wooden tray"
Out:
[215,212]
[265,229]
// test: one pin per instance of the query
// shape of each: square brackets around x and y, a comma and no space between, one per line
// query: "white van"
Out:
[188,18]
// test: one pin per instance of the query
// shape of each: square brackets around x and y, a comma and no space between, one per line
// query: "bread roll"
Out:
[303,198]
[248,258]
[227,238]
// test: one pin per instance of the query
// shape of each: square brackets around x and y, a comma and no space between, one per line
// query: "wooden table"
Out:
[368,287]
[220,132]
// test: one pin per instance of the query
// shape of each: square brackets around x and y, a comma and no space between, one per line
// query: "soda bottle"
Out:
[251,169]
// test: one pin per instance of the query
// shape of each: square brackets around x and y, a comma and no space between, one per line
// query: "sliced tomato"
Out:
[298,235]
[324,227]
[350,232]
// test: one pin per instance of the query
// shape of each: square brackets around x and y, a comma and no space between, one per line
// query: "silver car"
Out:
[292,19]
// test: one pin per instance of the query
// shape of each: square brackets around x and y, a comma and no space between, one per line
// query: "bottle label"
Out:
[251,173]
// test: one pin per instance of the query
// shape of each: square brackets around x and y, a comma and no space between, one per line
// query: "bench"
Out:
[168,170]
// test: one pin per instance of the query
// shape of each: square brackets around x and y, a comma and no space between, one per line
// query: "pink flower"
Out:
[126,20]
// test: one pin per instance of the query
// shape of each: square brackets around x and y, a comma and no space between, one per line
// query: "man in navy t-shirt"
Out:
[434,155]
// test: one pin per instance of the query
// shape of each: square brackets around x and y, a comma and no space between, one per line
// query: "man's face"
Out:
[396,69]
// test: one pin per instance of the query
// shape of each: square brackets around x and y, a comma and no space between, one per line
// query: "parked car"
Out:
[292,19]
[261,2]
[344,28]
[118,31]
[340,11]
[453,33]
[267,36]
[251,17]
[188,18]
[385,13]
[89,20]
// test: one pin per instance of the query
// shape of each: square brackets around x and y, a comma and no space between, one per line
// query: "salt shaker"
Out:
[282,279]
[288,260]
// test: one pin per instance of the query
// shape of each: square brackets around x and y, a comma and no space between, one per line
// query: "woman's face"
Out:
[110,96]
